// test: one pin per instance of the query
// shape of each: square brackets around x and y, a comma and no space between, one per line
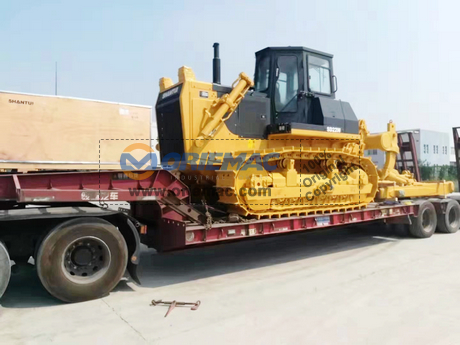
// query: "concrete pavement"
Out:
[360,285]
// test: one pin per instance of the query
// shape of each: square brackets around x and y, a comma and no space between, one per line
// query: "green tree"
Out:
[442,174]
[426,171]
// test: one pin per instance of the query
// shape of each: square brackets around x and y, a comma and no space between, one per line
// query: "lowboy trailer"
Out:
[284,134]
[81,248]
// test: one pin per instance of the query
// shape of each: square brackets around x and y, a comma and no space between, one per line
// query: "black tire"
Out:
[82,259]
[424,225]
[5,269]
[449,222]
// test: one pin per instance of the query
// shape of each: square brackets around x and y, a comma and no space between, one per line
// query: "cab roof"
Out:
[308,50]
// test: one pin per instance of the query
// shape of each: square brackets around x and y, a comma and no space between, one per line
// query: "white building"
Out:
[433,148]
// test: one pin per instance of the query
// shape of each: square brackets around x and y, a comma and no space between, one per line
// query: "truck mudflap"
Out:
[135,254]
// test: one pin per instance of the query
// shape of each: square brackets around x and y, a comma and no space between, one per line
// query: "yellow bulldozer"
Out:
[281,145]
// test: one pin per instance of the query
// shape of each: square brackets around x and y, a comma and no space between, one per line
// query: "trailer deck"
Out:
[167,219]
[197,234]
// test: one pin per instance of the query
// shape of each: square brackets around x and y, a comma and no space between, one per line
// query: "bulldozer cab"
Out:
[291,77]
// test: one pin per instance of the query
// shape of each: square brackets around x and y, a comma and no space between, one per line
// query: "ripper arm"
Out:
[392,184]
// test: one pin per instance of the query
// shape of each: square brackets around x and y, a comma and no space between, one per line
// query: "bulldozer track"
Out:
[349,156]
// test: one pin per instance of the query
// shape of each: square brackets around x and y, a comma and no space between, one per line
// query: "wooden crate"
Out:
[61,133]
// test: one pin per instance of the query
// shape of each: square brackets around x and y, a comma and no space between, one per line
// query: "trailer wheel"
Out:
[424,225]
[5,269]
[449,222]
[82,259]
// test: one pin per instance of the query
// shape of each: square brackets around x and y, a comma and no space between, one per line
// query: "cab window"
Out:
[320,74]
[287,84]
[262,74]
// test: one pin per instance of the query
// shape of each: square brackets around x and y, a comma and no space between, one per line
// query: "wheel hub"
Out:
[82,256]
[86,257]
[452,216]
[425,219]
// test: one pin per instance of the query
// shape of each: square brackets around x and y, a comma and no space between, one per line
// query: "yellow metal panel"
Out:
[316,134]
[428,189]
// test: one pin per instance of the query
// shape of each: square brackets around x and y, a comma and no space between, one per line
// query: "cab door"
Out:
[288,88]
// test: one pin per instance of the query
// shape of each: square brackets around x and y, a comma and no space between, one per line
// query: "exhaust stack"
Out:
[216,65]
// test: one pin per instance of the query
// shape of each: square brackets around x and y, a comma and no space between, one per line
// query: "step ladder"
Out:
[407,157]
[457,151]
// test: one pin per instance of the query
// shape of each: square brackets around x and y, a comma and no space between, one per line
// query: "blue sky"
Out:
[394,60]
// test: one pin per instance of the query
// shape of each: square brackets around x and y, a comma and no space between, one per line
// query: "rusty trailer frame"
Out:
[161,202]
